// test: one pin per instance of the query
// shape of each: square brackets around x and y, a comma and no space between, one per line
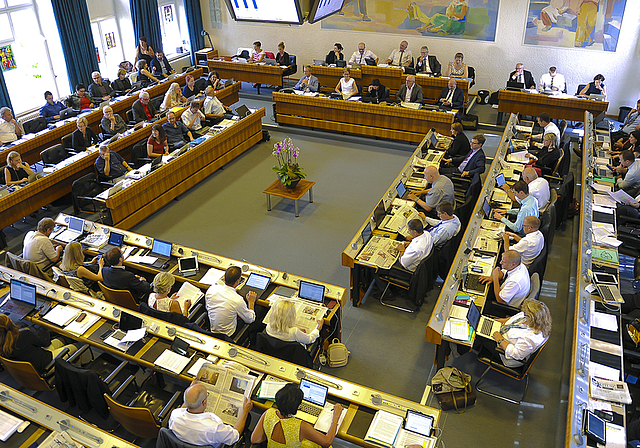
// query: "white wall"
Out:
[493,61]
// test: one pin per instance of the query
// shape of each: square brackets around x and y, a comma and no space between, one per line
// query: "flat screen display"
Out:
[282,11]
[258,281]
[324,8]
[162,248]
[24,292]
[311,291]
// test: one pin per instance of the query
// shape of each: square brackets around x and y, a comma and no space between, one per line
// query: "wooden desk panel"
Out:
[534,104]
[330,76]
[432,86]
[390,77]
[372,120]
[263,74]
[133,204]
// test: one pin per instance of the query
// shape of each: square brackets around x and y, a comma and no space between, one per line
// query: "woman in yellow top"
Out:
[281,429]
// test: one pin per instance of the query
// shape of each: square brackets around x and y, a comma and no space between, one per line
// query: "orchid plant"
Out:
[287,168]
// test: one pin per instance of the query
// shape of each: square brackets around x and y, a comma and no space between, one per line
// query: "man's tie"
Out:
[400,60]
[361,55]
[521,78]
[449,96]
[432,228]
[552,83]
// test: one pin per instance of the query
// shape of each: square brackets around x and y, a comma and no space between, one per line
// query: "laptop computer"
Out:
[311,291]
[515,85]
[595,96]
[256,283]
[127,322]
[243,111]
[341,63]
[401,190]
[156,163]
[314,397]
[162,251]
[115,240]
[188,266]
[609,293]
[22,300]
[67,113]
[268,61]
[370,61]
[487,210]
[71,233]
[472,284]
[318,62]
[483,326]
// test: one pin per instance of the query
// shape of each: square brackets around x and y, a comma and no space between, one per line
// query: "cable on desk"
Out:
[66,425]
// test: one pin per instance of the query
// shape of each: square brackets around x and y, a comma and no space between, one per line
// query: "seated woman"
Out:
[144,75]
[157,144]
[16,171]
[281,429]
[83,137]
[173,97]
[30,344]
[159,299]
[548,155]
[522,334]
[121,84]
[214,80]
[457,68]
[596,87]
[282,324]
[257,54]
[347,85]
[631,144]
[460,146]
[112,124]
[283,58]
[189,90]
[74,267]
[335,55]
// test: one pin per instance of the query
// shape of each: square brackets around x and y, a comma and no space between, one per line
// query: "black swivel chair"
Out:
[67,141]
[83,193]
[34,125]
[53,155]
[139,154]
[417,283]
[472,75]
[287,351]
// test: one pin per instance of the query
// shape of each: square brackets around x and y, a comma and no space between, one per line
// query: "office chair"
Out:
[67,141]
[34,125]
[417,284]
[28,377]
[53,155]
[28,267]
[517,373]
[539,264]
[174,318]
[287,351]
[472,75]
[167,439]
[139,154]
[119,297]
[83,193]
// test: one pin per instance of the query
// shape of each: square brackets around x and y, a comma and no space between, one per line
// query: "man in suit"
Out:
[143,109]
[115,276]
[410,92]
[308,82]
[452,97]
[523,76]
[99,89]
[160,66]
[428,64]
[469,165]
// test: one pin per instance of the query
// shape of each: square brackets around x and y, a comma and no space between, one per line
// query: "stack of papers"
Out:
[122,341]
[457,329]
[615,391]
[8,425]
[212,276]
[384,429]
[62,315]
[79,328]
[326,417]
[171,361]
[520,157]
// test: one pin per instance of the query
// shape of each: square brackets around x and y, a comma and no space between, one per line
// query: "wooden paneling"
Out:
[534,104]
[263,74]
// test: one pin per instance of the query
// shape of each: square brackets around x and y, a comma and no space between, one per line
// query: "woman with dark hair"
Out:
[335,55]
[215,81]
[283,59]
[144,51]
[460,146]
[144,75]
[281,429]
[157,143]
[596,87]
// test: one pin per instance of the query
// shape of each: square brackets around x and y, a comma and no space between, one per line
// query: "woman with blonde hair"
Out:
[121,84]
[159,299]
[83,137]
[282,324]
[173,97]
[16,171]
[73,267]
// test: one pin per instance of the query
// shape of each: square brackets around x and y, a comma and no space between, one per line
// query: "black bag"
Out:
[458,400]
[453,389]
[469,122]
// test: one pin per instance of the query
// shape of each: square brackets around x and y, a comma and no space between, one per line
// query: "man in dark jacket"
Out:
[115,276]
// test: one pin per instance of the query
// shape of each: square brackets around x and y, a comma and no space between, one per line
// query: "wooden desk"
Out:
[352,117]
[277,189]
[390,77]
[30,149]
[571,109]
[257,73]
[432,86]
[328,77]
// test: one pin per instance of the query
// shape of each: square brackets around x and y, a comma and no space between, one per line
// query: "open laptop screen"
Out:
[162,248]
[257,281]
[129,322]
[486,208]
[24,292]
[76,224]
[366,233]
[311,291]
[473,315]
[313,392]
[116,239]
[500,180]
[434,139]
[401,189]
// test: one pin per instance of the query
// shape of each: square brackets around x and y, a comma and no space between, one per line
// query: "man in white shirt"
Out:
[629,168]
[538,188]
[10,130]
[529,246]
[191,424]
[552,81]
[544,120]
[445,228]
[225,305]
[414,251]
[401,57]
[213,109]
[512,283]
[37,246]
[193,117]
[359,56]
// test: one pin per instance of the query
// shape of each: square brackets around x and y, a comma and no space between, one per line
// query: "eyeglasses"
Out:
[475,143]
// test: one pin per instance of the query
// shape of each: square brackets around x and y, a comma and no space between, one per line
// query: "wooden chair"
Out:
[28,377]
[118,297]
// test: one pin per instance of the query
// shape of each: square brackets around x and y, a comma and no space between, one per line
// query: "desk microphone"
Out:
[247,268]
[300,374]
[378,400]
[233,352]
[171,331]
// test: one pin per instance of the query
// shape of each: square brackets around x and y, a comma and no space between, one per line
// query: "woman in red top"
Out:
[157,143]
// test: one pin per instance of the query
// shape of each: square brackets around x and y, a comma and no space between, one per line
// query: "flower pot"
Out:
[292,186]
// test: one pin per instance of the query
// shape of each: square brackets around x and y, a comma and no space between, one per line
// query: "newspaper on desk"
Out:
[379,252]
[615,391]
[227,389]
[308,314]
[398,220]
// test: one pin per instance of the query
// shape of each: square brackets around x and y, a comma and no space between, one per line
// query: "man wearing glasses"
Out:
[529,246]
[528,207]
[469,165]
[523,76]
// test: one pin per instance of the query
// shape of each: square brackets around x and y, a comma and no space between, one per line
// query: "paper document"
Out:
[458,329]
[186,292]
[602,371]
[606,347]
[212,276]
[79,328]
[144,259]
[268,389]
[384,428]
[604,321]
[8,425]
[195,368]
[622,196]
[62,315]
[605,210]
[408,438]
[134,335]
[604,201]
[616,436]
[520,157]
[601,188]
[326,417]
[171,361]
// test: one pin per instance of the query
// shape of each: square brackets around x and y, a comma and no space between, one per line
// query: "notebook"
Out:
[22,300]
[483,326]
[314,396]
[311,291]
[256,283]
[71,233]
[115,240]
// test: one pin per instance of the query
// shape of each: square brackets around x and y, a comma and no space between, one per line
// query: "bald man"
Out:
[512,283]
[441,190]
[452,96]
[530,245]
[193,425]
[410,92]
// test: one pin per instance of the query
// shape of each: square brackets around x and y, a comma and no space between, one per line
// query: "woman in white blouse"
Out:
[173,97]
[282,324]
[347,85]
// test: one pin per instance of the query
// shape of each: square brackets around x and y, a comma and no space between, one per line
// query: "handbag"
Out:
[337,353]
[452,388]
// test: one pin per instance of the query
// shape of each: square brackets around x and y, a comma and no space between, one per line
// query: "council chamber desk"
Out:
[353,117]
[361,402]
[256,73]
[30,148]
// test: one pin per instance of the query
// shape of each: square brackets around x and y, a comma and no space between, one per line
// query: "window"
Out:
[173,26]
[107,37]
[31,52]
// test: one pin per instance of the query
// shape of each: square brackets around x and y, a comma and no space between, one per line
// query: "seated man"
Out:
[523,76]
[428,64]
[529,246]
[544,120]
[629,171]
[37,246]
[143,109]
[308,83]
[191,424]
[160,67]
[410,92]
[99,90]
[193,117]
[418,248]
[631,123]
[552,81]
[512,283]
[80,100]
[445,228]
[377,91]
[115,276]
[452,97]
[51,110]
[401,57]
[225,306]
[528,207]
[213,109]
[441,190]
[538,188]
[358,57]
[110,164]
[177,132]
[10,130]
[111,123]
[469,165]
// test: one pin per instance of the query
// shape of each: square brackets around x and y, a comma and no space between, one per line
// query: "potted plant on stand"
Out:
[288,169]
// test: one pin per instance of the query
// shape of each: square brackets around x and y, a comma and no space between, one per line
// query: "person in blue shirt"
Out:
[51,110]
[528,207]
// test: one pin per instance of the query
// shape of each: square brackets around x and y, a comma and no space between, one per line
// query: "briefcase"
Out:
[469,122]
[458,400]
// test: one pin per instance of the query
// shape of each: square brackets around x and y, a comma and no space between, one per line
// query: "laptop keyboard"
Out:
[606,294]
[310,409]
[473,283]
[486,327]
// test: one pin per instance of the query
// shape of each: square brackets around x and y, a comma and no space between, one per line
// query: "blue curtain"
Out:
[194,26]
[74,27]
[144,14]
[5,100]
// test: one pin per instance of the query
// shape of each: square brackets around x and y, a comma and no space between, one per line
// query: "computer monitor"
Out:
[311,291]
[379,213]
[401,189]
[116,239]
[129,322]
[434,139]
[76,224]
[515,85]
[24,292]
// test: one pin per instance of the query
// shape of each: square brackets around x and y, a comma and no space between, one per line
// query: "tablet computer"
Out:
[418,423]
